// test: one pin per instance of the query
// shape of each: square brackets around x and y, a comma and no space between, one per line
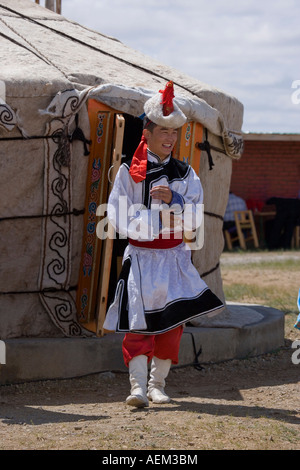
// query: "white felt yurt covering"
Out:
[50,68]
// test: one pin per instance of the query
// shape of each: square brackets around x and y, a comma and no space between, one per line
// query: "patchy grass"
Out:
[271,279]
[269,296]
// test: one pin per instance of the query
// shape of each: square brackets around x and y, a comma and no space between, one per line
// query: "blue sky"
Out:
[248,48]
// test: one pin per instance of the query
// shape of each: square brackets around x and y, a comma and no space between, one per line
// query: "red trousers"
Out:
[164,346]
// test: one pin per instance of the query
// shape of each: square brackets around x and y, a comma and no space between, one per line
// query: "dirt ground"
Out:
[250,404]
[246,404]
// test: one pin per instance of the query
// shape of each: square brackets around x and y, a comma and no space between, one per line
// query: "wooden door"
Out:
[108,243]
[102,125]
[186,149]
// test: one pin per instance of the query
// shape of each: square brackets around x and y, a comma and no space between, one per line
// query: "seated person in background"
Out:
[234,203]
[281,229]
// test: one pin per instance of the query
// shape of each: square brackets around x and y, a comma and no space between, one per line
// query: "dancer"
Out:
[153,198]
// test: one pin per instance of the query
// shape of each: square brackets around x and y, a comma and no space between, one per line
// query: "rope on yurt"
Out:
[19,44]
[207,147]
[36,52]
[218,216]
[30,137]
[42,291]
[75,212]
[196,364]
[210,271]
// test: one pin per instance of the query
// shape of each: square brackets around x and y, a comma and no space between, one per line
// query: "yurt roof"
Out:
[43,53]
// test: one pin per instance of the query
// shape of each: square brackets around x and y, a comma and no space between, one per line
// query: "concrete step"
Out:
[30,359]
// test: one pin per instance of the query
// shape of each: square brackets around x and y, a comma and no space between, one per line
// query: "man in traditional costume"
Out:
[159,289]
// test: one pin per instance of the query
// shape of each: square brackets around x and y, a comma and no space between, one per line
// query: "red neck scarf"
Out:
[138,165]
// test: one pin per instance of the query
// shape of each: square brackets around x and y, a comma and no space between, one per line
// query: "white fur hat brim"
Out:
[153,111]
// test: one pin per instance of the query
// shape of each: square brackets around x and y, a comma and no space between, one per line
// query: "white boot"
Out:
[138,372]
[159,371]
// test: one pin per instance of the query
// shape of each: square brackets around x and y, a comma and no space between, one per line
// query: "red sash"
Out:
[159,243]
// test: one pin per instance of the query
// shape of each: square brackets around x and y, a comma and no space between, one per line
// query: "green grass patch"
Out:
[278,264]
[269,296]
[279,270]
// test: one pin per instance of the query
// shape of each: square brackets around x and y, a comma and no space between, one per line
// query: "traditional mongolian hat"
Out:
[162,111]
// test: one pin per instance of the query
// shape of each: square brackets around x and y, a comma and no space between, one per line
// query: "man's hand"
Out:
[167,219]
[162,192]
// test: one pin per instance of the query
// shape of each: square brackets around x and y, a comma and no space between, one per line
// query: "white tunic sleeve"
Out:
[191,190]
[128,216]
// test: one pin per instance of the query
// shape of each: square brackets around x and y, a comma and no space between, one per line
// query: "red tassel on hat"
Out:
[138,165]
[167,98]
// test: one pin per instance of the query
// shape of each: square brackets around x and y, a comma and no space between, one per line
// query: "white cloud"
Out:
[250,49]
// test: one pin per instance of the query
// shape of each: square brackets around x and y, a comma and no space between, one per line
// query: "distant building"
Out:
[270,167]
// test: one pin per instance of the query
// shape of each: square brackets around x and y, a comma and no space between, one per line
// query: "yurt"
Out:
[70,106]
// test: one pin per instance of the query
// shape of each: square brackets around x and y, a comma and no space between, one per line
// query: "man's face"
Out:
[161,140]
